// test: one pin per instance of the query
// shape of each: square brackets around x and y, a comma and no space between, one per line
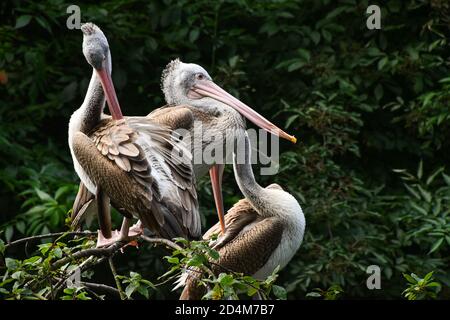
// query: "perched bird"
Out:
[211,116]
[129,160]
[264,230]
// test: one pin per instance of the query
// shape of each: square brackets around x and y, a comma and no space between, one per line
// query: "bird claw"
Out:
[105,242]
[117,236]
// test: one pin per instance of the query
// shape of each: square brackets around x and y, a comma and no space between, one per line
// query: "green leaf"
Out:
[313,295]
[225,279]
[383,61]
[43,23]
[418,208]
[378,92]
[428,276]
[412,191]
[420,170]
[251,291]
[279,292]
[20,225]
[11,264]
[196,261]
[143,291]
[304,54]
[409,278]
[434,284]
[61,191]
[436,245]
[58,252]
[315,36]
[131,288]
[446,178]
[295,66]
[9,232]
[433,176]
[44,196]
[22,21]
[151,43]
[214,254]
[173,260]
[425,194]
[193,35]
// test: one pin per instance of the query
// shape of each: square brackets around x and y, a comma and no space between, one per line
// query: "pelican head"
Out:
[188,83]
[97,54]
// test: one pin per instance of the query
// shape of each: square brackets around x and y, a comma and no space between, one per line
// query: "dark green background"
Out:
[361,102]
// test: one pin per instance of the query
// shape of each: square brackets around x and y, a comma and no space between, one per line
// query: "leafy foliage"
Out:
[363,102]
[420,289]
[198,258]
[48,274]
[332,293]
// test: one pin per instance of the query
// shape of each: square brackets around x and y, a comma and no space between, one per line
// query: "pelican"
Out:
[192,97]
[264,230]
[129,160]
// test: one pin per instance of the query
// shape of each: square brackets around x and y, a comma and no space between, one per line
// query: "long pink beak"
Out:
[210,89]
[110,92]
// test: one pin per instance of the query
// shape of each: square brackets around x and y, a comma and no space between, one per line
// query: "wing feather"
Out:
[138,146]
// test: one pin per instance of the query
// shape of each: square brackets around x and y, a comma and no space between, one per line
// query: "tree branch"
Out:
[102,288]
[166,242]
[96,252]
[50,235]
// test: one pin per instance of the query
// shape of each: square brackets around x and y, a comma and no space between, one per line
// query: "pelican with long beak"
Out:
[192,97]
[129,161]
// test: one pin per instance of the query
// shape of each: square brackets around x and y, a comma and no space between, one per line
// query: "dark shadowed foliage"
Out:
[370,109]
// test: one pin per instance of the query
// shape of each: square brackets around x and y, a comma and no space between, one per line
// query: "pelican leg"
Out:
[126,233]
[215,173]
[125,228]
[104,218]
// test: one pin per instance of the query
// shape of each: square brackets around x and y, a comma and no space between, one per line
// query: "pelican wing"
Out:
[237,218]
[250,250]
[126,160]
[173,117]
[173,163]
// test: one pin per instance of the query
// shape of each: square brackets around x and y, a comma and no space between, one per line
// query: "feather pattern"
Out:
[161,188]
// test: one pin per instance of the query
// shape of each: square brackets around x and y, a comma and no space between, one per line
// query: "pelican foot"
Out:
[105,242]
[116,236]
[136,230]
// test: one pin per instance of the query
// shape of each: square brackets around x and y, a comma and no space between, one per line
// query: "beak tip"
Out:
[293,139]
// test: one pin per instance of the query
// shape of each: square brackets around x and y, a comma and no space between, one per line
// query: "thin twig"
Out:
[92,292]
[96,252]
[166,242]
[116,279]
[102,288]
[50,235]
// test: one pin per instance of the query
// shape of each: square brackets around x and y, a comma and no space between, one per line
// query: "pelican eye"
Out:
[199,76]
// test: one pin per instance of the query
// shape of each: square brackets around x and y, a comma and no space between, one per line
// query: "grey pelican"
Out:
[129,160]
[264,230]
